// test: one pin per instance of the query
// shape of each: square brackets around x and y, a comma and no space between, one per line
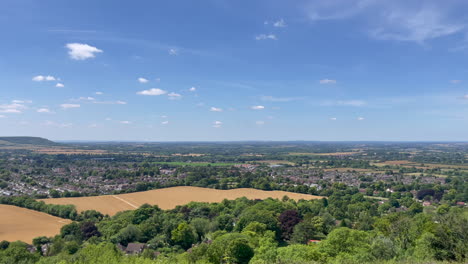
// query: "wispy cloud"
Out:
[269,98]
[355,103]
[266,37]
[327,81]
[79,51]
[43,110]
[118,102]
[173,51]
[192,89]
[360,118]
[15,107]
[174,96]
[55,124]
[260,123]
[59,85]
[69,106]
[398,20]
[216,109]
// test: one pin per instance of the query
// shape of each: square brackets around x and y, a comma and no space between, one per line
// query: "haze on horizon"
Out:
[336,70]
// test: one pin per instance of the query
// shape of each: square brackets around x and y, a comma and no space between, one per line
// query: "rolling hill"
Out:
[38,141]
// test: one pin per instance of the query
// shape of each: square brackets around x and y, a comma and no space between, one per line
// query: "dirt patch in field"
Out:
[18,223]
[169,198]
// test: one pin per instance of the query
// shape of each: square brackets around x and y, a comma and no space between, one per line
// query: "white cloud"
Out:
[327,81]
[21,101]
[164,116]
[2,116]
[42,78]
[43,110]
[13,108]
[257,107]
[152,91]
[93,125]
[279,23]
[455,81]
[68,106]
[99,93]
[79,51]
[215,109]
[266,37]
[164,122]
[59,85]
[465,96]
[360,118]
[174,96]
[142,80]
[333,118]
[125,122]
[108,119]
[173,52]
[260,123]
[217,124]
[192,89]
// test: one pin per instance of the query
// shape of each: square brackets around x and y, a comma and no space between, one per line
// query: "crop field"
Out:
[169,198]
[18,223]
[323,154]
[196,164]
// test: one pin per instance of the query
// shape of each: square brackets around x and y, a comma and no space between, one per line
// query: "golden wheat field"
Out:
[18,223]
[168,198]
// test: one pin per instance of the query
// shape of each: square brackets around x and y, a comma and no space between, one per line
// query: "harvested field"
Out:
[168,198]
[323,154]
[349,169]
[18,223]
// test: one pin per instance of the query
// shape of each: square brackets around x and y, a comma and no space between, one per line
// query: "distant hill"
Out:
[26,141]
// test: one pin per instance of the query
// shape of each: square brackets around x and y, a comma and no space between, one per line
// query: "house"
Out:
[312,241]
[132,248]
[427,203]
[461,203]
[31,249]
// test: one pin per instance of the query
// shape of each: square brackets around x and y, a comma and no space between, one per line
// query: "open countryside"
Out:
[169,198]
[18,223]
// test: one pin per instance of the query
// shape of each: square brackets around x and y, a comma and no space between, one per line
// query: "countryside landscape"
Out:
[284,202]
[234,132]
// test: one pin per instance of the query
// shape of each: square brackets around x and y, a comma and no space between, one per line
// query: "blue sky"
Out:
[234,70]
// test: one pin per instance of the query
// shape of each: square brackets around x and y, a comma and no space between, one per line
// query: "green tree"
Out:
[238,251]
[184,235]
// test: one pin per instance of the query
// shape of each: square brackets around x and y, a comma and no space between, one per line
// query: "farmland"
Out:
[18,223]
[169,198]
